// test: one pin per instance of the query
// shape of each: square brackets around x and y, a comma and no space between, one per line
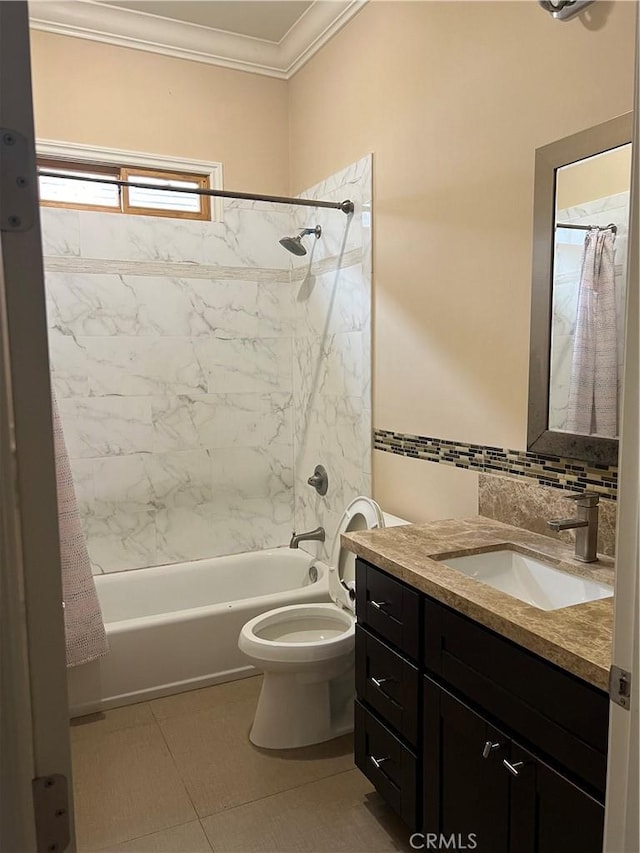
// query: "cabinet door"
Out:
[549,814]
[466,786]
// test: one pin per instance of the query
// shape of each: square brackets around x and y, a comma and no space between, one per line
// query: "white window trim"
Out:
[56,150]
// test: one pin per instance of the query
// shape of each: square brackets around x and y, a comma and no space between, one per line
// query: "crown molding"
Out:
[182,40]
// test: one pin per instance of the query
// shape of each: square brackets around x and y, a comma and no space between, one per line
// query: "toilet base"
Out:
[295,710]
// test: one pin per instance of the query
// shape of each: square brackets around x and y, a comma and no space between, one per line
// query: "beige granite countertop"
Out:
[576,638]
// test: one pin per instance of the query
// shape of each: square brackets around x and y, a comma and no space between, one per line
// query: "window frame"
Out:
[115,162]
[204,214]
[111,171]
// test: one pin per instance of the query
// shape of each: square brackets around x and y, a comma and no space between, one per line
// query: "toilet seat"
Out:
[361,514]
[268,637]
[303,633]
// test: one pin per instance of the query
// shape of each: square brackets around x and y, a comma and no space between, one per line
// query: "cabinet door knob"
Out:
[377,762]
[379,605]
[489,747]
[514,768]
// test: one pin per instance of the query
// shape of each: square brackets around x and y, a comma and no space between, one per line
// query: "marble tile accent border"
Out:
[168,269]
[347,259]
[164,269]
[568,474]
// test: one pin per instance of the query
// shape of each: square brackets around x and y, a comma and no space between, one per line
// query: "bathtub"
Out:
[174,628]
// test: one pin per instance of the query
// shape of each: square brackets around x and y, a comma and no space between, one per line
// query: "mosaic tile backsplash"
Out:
[568,474]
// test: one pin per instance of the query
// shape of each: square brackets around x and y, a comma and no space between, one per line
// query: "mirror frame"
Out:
[549,158]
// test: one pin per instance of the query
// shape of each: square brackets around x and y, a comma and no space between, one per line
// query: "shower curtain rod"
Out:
[345,206]
[609,227]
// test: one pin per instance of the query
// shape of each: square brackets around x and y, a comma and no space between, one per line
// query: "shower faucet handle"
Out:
[319,480]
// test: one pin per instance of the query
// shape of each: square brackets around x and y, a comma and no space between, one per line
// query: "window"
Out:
[158,196]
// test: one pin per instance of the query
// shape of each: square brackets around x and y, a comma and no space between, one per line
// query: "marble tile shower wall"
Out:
[182,354]
[171,349]
[332,353]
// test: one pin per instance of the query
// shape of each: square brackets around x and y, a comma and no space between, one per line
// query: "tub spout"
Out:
[317,535]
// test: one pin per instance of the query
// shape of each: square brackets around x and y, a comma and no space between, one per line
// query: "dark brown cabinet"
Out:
[549,814]
[388,683]
[481,785]
[469,735]
[391,765]
[466,787]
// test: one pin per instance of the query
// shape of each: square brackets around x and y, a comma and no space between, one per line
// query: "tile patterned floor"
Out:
[179,775]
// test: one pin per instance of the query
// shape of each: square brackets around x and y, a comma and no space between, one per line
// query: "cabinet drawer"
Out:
[388,607]
[387,763]
[563,717]
[388,683]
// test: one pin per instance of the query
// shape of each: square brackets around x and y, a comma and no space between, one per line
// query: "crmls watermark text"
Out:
[438,841]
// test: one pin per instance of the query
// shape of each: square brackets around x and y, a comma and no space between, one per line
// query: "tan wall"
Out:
[453,99]
[120,98]
[597,177]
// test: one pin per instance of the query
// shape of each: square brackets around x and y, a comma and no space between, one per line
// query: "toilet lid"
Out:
[361,514]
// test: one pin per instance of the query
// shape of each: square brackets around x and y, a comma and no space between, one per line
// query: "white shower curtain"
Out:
[84,628]
[593,385]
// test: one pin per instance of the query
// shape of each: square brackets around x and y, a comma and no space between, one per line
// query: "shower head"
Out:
[294,244]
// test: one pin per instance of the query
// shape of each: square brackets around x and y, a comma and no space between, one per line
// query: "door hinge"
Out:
[18,198]
[51,804]
[620,686]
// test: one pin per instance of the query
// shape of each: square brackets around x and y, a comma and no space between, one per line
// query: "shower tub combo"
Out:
[176,627]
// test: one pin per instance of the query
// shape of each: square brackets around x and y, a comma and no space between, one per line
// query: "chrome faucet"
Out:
[317,535]
[586,525]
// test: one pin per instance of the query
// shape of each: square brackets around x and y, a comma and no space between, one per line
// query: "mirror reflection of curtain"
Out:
[593,389]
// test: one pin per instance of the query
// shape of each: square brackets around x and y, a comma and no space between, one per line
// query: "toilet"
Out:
[307,651]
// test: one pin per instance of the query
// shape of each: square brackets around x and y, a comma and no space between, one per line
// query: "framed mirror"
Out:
[580,229]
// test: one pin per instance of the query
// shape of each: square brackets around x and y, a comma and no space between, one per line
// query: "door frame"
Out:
[34,722]
[622,829]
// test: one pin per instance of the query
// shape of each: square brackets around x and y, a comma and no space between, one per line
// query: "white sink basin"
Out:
[529,579]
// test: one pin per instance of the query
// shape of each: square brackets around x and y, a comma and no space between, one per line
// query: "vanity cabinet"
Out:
[465,733]
[466,786]
[482,783]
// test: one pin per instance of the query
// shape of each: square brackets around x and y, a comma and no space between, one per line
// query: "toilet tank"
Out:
[393,520]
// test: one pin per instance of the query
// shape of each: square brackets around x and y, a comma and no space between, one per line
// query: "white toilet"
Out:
[307,652]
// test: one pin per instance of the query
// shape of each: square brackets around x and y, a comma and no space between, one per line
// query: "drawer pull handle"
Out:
[378,682]
[379,605]
[514,768]
[489,747]
[377,762]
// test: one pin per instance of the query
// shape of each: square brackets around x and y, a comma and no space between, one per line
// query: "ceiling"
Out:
[262,19]
[271,37]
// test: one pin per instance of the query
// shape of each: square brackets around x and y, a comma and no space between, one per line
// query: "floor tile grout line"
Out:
[148,835]
[257,799]
[153,723]
[178,771]
[277,793]
[196,816]
[203,710]
[80,738]
[209,841]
